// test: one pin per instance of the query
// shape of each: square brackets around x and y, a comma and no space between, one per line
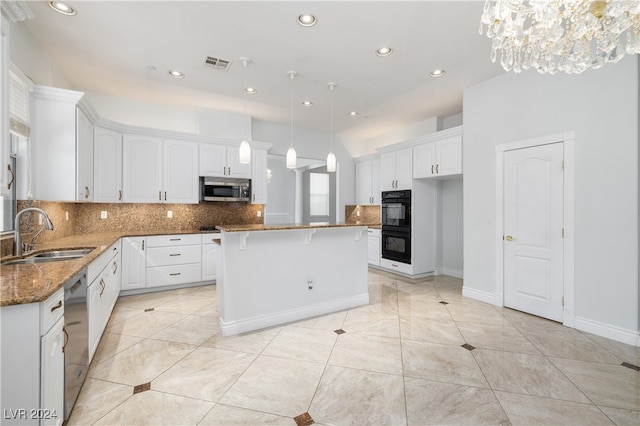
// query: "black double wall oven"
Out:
[396,226]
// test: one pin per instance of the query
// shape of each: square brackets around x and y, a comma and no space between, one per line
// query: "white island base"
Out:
[274,275]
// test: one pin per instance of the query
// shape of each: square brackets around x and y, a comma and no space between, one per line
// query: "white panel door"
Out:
[142,169]
[181,173]
[107,166]
[533,221]
[134,267]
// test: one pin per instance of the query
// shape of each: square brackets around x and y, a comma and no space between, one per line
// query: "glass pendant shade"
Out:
[291,158]
[245,152]
[331,162]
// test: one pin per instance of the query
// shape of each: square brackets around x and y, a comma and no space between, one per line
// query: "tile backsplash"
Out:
[85,218]
[368,214]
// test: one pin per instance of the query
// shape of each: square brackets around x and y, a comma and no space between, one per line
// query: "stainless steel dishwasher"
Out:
[76,349]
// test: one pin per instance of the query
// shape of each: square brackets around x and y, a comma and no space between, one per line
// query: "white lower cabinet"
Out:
[134,268]
[103,275]
[32,362]
[52,375]
[210,255]
[374,248]
[173,259]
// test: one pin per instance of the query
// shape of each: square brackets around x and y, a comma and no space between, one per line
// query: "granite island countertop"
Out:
[36,282]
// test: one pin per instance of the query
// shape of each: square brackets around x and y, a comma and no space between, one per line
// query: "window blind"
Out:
[18,106]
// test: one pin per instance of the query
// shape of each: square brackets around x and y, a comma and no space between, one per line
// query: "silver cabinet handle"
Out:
[175,254]
[165,195]
[103,285]
[175,239]
[437,169]
[174,274]
[86,192]
[13,176]
[160,195]
[143,245]
[432,169]
[115,267]
[120,195]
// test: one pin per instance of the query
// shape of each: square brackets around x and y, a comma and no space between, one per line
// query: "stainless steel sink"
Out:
[63,253]
[51,256]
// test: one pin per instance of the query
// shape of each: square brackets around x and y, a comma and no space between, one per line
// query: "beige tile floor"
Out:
[400,361]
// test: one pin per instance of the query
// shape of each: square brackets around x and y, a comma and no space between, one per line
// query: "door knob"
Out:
[509,238]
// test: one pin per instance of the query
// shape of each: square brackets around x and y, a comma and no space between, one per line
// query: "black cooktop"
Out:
[208,228]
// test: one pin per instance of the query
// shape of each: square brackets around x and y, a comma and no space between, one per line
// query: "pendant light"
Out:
[331,158]
[291,153]
[245,148]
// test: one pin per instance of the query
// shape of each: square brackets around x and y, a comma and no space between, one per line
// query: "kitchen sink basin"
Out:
[51,256]
[63,253]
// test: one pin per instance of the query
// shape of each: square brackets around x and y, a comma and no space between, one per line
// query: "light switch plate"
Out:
[103,214]
[169,214]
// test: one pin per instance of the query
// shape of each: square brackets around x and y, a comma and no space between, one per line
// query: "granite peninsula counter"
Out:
[273,274]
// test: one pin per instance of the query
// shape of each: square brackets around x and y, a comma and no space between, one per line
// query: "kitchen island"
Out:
[270,275]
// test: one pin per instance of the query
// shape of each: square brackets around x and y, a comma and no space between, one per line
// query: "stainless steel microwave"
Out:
[224,189]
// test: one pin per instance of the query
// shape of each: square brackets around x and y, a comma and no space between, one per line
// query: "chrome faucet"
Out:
[17,238]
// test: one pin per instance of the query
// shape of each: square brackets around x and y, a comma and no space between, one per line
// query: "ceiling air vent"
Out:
[217,63]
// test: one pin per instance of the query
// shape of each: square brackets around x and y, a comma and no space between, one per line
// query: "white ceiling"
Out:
[125,48]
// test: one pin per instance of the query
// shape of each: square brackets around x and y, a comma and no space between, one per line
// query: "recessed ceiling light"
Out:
[437,73]
[307,103]
[62,7]
[353,114]
[384,51]
[251,90]
[307,20]
[176,74]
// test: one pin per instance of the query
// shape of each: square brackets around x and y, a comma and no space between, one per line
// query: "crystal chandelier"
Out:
[561,35]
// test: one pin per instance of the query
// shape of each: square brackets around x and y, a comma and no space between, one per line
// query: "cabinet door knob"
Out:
[509,238]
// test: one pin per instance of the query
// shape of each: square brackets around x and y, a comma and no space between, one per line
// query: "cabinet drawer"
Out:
[163,256]
[178,274]
[173,240]
[51,310]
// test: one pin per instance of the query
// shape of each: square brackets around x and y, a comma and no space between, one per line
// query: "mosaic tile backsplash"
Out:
[368,214]
[84,218]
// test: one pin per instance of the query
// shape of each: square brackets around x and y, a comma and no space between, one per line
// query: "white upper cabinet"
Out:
[142,169]
[449,156]
[63,147]
[159,171]
[368,182]
[439,158]
[84,160]
[396,170]
[259,176]
[107,166]
[222,161]
[180,172]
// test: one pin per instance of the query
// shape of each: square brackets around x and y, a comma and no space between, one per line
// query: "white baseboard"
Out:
[457,273]
[483,296]
[263,321]
[618,334]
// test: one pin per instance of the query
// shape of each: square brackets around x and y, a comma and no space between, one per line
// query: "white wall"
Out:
[452,225]
[601,106]
[281,191]
[312,144]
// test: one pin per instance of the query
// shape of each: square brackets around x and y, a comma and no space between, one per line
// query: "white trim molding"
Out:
[609,331]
